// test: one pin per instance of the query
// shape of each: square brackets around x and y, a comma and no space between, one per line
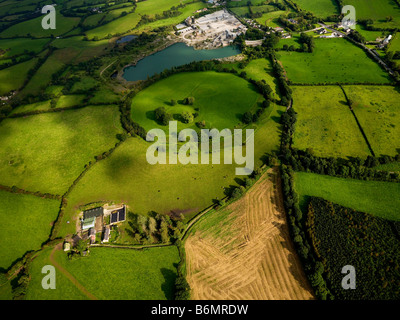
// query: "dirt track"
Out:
[252,257]
[68,275]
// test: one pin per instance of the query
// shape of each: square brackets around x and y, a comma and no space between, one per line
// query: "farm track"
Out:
[254,258]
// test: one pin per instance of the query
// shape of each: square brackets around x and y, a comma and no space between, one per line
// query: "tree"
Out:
[81,246]
[187,117]
[247,117]
[173,102]
[189,101]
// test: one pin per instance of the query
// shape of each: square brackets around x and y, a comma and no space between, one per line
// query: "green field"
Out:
[392,166]
[375,197]
[47,152]
[126,177]
[371,35]
[41,105]
[321,8]
[64,101]
[377,10]
[325,123]
[129,22]
[378,110]
[333,60]
[111,273]
[13,78]
[42,77]
[20,45]
[257,69]
[220,99]
[34,28]
[270,19]
[26,224]
[395,43]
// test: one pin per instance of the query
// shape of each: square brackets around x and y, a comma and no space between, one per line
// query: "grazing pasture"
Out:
[47,152]
[110,273]
[378,198]
[378,111]
[26,224]
[325,123]
[321,8]
[325,66]
[378,11]
[34,28]
[127,177]
[13,78]
[220,99]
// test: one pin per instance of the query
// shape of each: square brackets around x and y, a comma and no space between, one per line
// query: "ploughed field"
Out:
[244,250]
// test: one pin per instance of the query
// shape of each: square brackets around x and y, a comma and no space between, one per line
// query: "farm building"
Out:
[106,234]
[67,246]
[89,217]
[92,235]
[118,215]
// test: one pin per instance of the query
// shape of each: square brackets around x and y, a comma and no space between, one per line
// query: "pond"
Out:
[126,39]
[173,56]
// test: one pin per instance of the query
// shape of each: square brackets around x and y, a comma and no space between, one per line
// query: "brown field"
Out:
[248,254]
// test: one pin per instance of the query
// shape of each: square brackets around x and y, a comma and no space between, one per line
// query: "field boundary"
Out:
[358,122]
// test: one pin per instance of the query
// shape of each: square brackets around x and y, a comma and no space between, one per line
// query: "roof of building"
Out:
[118,215]
[88,223]
[106,234]
[95,212]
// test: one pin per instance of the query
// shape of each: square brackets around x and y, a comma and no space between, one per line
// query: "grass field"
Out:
[110,273]
[244,251]
[377,10]
[378,110]
[42,77]
[34,27]
[65,289]
[127,177]
[41,105]
[375,197]
[82,50]
[13,78]
[47,152]
[371,35]
[20,45]
[27,228]
[63,101]
[395,43]
[321,8]
[129,22]
[333,60]
[270,19]
[187,11]
[221,99]
[392,166]
[325,123]
[257,69]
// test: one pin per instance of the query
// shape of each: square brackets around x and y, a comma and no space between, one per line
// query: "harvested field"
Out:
[248,253]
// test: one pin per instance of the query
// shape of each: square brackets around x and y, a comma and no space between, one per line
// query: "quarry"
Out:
[211,31]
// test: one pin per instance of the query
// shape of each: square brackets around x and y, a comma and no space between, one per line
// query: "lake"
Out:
[173,56]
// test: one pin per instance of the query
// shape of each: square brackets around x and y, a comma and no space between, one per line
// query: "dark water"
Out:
[176,55]
[126,39]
